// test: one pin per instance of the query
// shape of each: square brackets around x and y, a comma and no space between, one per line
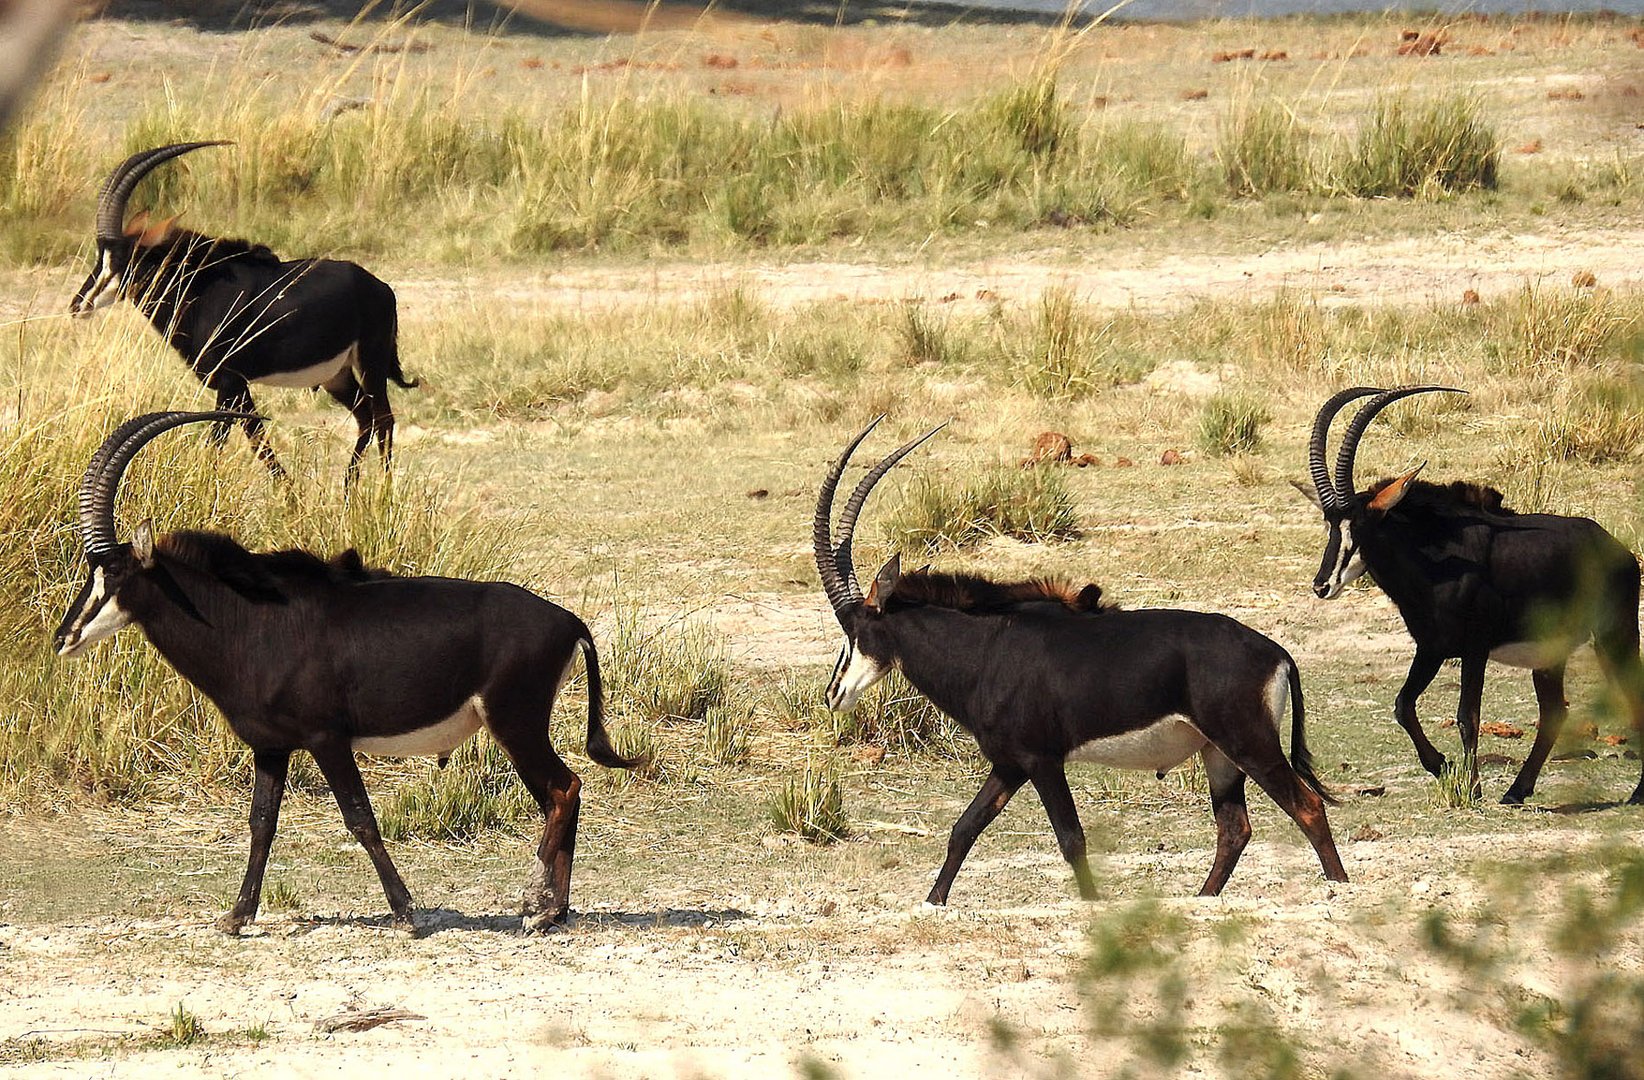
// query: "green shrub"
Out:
[476,792]
[1408,148]
[1263,149]
[1231,422]
[1032,505]
[813,806]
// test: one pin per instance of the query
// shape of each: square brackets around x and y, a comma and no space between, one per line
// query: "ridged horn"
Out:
[1361,420]
[1329,497]
[827,566]
[853,507]
[111,201]
[101,482]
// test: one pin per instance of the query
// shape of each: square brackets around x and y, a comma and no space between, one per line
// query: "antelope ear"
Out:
[884,583]
[157,233]
[1391,495]
[142,544]
[138,222]
[1308,493]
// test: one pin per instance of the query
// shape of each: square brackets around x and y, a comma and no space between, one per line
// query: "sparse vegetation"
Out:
[1407,148]
[812,806]
[477,791]
[937,513]
[637,363]
[1230,422]
[1264,149]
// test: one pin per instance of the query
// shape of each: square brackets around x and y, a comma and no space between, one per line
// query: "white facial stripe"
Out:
[105,289]
[853,675]
[99,617]
[1349,564]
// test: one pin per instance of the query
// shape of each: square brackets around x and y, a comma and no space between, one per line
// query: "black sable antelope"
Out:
[1476,581]
[1043,674]
[240,315]
[331,657]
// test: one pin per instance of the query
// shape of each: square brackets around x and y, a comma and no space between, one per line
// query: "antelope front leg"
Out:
[1051,783]
[988,804]
[1423,667]
[266,794]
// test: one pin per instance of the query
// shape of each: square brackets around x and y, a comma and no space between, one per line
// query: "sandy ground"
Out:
[868,983]
[1434,269]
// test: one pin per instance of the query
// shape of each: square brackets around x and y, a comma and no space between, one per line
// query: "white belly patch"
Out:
[1529,654]
[1159,747]
[315,374]
[435,740]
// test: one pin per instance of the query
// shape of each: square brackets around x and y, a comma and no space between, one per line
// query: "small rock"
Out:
[1365,833]
[759,493]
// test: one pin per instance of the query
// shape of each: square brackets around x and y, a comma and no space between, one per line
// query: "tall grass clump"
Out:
[1032,505]
[811,805]
[659,670]
[1145,159]
[1231,422]
[476,792]
[1034,115]
[1552,330]
[1263,149]
[1408,147]
[1063,351]
[726,732]
[1602,421]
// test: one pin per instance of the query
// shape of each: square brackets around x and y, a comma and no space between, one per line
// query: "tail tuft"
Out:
[599,739]
[1300,759]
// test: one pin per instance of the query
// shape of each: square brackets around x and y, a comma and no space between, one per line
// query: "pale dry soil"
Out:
[1418,269]
[748,977]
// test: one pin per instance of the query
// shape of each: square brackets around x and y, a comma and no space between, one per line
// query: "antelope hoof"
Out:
[1514,798]
[230,924]
[544,922]
[404,923]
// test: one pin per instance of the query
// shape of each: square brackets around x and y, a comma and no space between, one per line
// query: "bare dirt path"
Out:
[865,982]
[1436,268]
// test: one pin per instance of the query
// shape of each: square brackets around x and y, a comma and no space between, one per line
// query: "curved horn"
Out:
[827,567]
[853,507]
[1361,420]
[101,481]
[1329,497]
[111,201]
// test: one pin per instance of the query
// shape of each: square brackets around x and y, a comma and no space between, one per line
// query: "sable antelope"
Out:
[1043,674]
[331,657]
[240,315]
[1476,581]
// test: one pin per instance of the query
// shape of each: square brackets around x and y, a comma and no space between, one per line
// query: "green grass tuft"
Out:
[812,806]
[1407,148]
[1032,505]
[1231,422]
